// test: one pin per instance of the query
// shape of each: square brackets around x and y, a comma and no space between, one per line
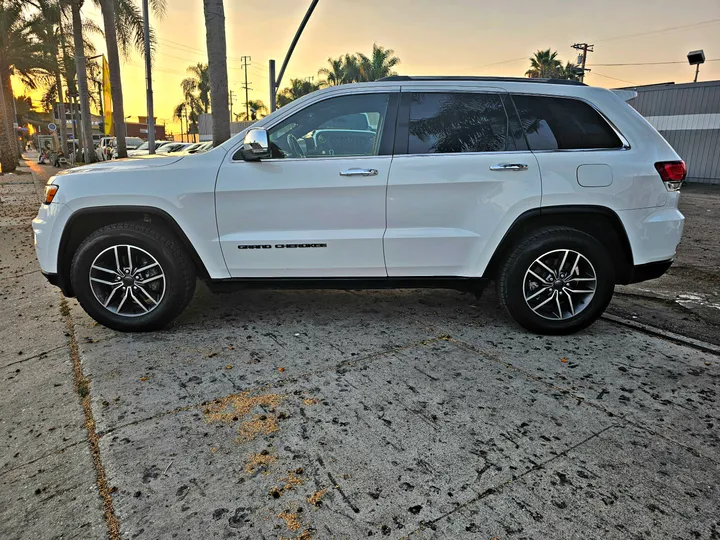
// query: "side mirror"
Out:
[256,145]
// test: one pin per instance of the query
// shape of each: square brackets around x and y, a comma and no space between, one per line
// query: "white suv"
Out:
[555,190]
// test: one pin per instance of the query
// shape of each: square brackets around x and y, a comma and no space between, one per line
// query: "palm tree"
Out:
[380,63]
[123,23]
[50,29]
[544,64]
[198,85]
[47,27]
[82,81]
[196,93]
[21,55]
[190,112]
[217,64]
[570,71]
[297,88]
[336,73]
[257,110]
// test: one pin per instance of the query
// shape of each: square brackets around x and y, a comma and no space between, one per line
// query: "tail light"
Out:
[672,173]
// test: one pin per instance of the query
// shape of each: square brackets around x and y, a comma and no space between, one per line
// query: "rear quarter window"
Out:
[552,123]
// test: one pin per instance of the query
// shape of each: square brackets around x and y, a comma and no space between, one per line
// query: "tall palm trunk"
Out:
[217,63]
[61,111]
[84,94]
[8,141]
[108,12]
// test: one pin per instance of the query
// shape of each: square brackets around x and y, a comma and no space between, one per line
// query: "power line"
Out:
[651,63]
[194,49]
[613,78]
[504,62]
[659,30]
[627,36]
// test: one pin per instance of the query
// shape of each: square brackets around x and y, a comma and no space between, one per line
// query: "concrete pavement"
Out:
[48,485]
[341,414]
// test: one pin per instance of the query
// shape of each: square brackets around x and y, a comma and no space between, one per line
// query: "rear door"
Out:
[461,175]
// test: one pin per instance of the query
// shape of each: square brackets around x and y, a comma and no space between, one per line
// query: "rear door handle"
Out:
[359,172]
[509,167]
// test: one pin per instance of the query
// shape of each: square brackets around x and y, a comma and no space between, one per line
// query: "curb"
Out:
[664,334]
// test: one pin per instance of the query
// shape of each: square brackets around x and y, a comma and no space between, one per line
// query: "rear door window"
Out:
[552,123]
[447,123]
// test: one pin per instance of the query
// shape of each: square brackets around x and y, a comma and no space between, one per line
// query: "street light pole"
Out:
[148,76]
[274,85]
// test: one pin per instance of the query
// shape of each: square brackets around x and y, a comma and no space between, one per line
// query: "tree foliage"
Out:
[345,69]
[545,64]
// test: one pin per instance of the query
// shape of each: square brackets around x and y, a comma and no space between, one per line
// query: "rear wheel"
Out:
[132,277]
[557,281]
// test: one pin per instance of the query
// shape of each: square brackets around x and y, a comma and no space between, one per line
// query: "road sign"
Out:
[52,126]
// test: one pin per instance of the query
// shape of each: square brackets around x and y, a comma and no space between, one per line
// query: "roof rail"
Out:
[397,78]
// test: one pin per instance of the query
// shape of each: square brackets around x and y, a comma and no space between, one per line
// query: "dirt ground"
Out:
[686,300]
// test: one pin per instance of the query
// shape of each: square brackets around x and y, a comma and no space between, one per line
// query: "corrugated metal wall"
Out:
[688,116]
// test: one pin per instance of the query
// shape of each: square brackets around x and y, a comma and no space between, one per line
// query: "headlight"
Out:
[50,191]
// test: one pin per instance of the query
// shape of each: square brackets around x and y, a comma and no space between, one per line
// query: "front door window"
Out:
[346,126]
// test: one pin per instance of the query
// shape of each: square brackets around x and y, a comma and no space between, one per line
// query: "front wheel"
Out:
[132,277]
[557,281]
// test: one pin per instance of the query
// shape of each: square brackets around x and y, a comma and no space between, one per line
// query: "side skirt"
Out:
[474,285]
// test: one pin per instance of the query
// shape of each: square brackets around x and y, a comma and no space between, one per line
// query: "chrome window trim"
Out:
[500,152]
[308,160]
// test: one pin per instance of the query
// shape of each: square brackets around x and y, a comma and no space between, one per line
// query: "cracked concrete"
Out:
[396,414]
[47,479]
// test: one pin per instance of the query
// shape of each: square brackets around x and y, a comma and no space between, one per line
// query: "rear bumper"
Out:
[644,272]
[653,233]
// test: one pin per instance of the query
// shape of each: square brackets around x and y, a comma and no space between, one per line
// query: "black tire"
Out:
[512,285]
[178,271]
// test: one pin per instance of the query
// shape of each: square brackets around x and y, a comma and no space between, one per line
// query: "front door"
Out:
[317,207]
[461,175]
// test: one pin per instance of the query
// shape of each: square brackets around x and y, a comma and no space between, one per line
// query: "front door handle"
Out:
[509,167]
[359,172]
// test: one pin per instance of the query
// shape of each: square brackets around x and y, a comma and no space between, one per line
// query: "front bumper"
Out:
[47,230]
[58,281]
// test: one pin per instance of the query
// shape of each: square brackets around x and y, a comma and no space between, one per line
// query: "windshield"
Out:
[143,146]
[134,141]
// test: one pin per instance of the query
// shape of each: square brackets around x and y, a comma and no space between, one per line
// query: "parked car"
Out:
[108,146]
[204,147]
[105,148]
[555,190]
[193,148]
[173,147]
[144,148]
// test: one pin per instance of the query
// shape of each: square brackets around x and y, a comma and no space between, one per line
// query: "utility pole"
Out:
[232,101]
[246,62]
[273,89]
[148,76]
[585,48]
[182,136]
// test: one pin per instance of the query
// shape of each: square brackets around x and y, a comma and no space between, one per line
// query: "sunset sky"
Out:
[440,37]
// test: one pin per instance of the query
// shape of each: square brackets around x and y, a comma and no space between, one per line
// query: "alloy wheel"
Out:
[127,281]
[559,284]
